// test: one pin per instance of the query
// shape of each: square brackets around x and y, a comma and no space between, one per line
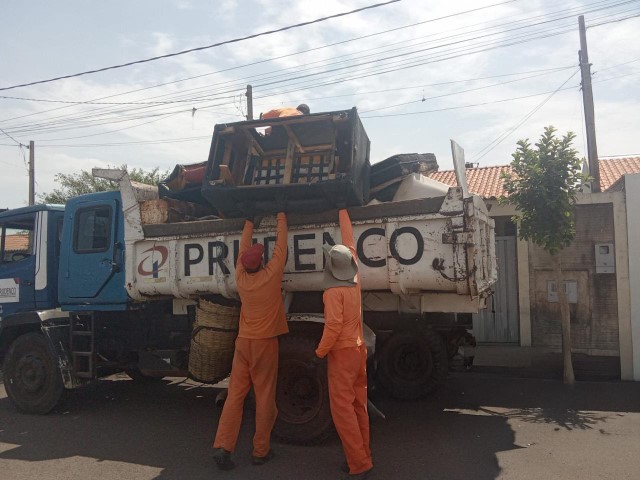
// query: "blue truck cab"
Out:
[91,267]
[61,276]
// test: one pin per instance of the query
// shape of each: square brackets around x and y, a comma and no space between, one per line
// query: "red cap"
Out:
[252,258]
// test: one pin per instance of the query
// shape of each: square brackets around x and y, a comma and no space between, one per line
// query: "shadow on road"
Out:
[456,434]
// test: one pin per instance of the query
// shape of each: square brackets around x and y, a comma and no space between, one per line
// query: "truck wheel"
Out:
[31,375]
[302,396]
[412,364]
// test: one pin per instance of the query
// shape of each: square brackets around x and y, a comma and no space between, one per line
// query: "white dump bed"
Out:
[431,254]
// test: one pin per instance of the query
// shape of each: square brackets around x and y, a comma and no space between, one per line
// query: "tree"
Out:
[74,184]
[542,186]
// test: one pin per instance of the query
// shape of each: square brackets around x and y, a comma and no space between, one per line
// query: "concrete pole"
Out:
[32,190]
[587,100]
[249,102]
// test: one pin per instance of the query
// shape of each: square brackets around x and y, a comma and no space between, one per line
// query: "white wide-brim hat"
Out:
[340,262]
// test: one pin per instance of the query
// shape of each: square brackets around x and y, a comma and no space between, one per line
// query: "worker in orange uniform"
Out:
[255,360]
[302,109]
[342,342]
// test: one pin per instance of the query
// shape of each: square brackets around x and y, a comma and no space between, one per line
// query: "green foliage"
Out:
[543,187]
[74,184]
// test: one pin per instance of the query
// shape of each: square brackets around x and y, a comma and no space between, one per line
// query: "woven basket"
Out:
[212,341]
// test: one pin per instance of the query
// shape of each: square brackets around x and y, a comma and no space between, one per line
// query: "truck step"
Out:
[82,343]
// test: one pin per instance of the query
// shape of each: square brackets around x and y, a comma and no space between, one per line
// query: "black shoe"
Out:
[223,459]
[360,476]
[262,460]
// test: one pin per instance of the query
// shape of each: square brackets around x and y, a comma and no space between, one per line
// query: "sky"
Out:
[485,73]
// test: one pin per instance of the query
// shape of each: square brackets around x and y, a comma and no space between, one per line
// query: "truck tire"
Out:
[302,396]
[413,364]
[31,375]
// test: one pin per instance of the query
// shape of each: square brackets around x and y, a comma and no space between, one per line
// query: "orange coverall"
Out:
[282,112]
[342,341]
[255,360]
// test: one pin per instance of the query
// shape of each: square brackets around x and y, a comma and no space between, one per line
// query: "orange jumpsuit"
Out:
[282,112]
[255,360]
[342,340]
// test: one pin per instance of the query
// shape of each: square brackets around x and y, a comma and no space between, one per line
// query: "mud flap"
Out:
[58,337]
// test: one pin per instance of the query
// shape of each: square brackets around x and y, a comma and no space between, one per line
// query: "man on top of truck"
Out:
[302,109]
[255,360]
[342,342]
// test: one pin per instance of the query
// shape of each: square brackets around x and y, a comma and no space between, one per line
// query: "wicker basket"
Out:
[212,341]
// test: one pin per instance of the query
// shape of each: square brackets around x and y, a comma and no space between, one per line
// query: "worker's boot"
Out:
[262,460]
[359,476]
[223,459]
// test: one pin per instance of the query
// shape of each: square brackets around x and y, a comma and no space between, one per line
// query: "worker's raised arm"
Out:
[279,258]
[346,231]
[245,241]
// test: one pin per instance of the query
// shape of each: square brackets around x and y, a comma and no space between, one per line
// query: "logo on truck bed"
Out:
[151,264]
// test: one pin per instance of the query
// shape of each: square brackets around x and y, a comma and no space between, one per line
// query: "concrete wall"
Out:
[632,192]
[606,319]
[594,317]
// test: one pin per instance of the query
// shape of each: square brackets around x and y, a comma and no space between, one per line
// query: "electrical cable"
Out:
[226,42]
[305,51]
[484,151]
[1,130]
[360,77]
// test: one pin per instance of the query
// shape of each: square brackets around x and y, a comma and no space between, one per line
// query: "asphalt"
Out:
[479,426]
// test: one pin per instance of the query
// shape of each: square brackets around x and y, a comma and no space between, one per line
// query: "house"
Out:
[520,327]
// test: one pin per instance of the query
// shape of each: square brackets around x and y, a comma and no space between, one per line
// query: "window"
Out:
[92,230]
[16,242]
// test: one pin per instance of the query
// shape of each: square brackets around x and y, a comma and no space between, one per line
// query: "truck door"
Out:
[17,264]
[96,256]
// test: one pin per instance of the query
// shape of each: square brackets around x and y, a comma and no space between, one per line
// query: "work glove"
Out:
[281,202]
[341,201]
[247,209]
[315,363]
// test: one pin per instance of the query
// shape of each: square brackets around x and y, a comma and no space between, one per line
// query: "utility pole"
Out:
[32,190]
[587,101]
[249,102]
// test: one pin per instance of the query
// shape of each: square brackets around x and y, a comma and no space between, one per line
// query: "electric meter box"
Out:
[605,258]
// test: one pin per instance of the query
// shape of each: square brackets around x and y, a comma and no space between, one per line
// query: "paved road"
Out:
[479,427]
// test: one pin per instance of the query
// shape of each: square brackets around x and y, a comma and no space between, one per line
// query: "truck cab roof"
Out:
[30,209]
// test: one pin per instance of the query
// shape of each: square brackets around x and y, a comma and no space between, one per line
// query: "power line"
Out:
[208,137]
[506,134]
[606,6]
[19,144]
[286,55]
[31,126]
[310,50]
[226,42]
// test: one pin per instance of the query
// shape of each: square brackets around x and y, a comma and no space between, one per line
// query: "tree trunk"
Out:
[565,317]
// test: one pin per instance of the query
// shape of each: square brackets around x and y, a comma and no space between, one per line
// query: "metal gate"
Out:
[499,322]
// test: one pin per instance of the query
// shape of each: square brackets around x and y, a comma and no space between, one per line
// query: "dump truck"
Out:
[129,281]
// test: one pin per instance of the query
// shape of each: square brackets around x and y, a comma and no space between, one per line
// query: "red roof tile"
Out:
[486,181]
[483,181]
[611,169]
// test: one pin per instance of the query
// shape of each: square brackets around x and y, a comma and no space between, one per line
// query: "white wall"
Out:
[632,192]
